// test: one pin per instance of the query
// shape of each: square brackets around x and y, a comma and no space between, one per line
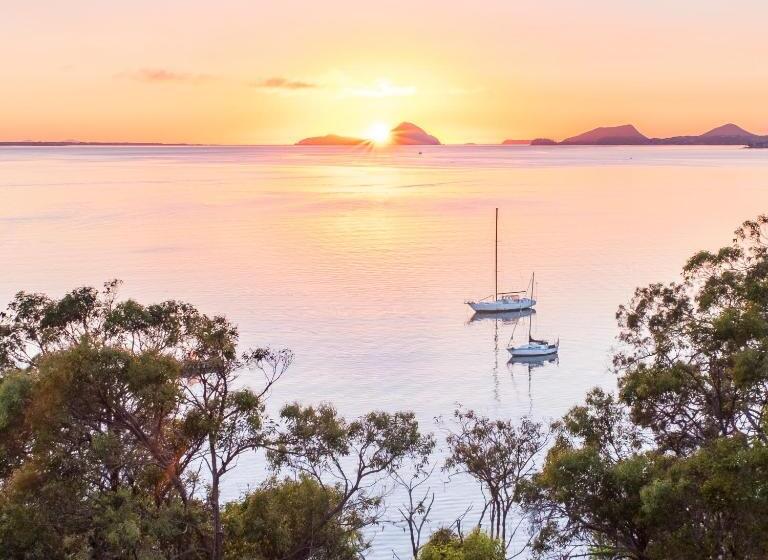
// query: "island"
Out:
[404,134]
[409,134]
[331,140]
[609,135]
[628,135]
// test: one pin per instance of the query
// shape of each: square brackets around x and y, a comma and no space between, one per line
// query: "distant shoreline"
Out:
[350,147]
[408,134]
[54,143]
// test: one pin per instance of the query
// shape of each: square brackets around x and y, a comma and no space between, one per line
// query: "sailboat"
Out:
[501,301]
[535,349]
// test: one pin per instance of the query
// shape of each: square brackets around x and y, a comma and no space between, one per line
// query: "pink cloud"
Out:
[283,83]
[161,75]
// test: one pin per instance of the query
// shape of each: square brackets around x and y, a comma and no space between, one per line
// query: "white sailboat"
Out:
[501,301]
[535,348]
[506,317]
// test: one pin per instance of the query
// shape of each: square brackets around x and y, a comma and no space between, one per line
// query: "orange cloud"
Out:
[284,83]
[161,75]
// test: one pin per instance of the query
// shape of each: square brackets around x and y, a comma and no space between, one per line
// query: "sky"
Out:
[263,72]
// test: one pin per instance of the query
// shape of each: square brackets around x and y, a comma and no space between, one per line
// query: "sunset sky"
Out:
[257,71]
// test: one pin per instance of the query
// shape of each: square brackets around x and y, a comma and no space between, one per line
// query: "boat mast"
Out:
[530,317]
[496,259]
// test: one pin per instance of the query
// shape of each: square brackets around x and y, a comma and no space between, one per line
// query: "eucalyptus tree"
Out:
[587,495]
[279,519]
[502,456]
[677,464]
[693,365]
[352,459]
[414,514]
[130,396]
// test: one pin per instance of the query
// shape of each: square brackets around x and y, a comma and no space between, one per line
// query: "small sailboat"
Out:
[535,349]
[501,301]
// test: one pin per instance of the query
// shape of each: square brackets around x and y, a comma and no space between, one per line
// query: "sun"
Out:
[378,133]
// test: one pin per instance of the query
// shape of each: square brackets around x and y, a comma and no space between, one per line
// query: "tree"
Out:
[414,514]
[501,456]
[353,458]
[446,545]
[282,517]
[128,396]
[694,362]
[588,494]
[648,505]
[713,504]
[230,420]
[675,466]
[119,421]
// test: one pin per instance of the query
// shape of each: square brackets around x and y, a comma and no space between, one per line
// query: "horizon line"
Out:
[520,141]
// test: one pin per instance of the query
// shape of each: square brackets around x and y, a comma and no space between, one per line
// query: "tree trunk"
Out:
[217,550]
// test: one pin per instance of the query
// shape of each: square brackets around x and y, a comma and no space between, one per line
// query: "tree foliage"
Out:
[447,545]
[282,519]
[118,422]
[500,455]
[352,458]
[675,466]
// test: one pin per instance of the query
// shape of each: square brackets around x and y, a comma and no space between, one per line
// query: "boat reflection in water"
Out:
[528,364]
[534,362]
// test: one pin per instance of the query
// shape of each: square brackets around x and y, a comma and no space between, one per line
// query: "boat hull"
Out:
[503,316]
[533,350]
[501,305]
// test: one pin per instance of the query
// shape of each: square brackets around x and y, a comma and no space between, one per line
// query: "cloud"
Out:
[284,83]
[162,75]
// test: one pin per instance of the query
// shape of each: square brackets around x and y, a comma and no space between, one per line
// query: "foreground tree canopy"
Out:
[118,422]
[676,465]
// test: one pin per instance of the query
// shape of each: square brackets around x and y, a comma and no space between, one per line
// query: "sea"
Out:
[361,261]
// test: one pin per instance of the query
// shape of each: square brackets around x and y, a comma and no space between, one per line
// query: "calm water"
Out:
[360,262]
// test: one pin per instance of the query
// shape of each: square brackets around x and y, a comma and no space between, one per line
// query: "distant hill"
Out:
[404,134]
[543,142]
[409,134]
[611,135]
[728,130]
[331,140]
[516,142]
[725,135]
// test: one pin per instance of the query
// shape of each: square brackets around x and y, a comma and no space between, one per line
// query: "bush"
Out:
[288,519]
[446,545]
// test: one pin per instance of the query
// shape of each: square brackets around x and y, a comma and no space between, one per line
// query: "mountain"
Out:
[543,142]
[725,135]
[330,140]
[728,130]
[409,134]
[609,135]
